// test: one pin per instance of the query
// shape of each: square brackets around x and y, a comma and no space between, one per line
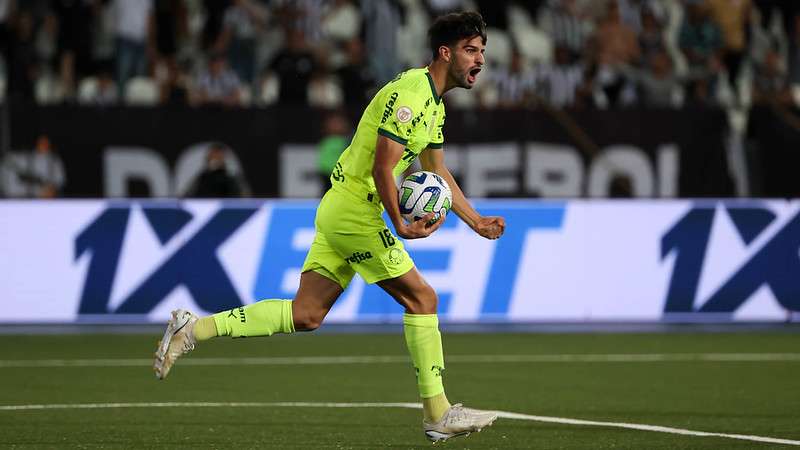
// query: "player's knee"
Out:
[308,321]
[425,302]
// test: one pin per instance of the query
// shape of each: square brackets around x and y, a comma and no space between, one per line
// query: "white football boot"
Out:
[177,340]
[458,421]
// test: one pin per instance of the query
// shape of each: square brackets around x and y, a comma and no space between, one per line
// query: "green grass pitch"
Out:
[744,396]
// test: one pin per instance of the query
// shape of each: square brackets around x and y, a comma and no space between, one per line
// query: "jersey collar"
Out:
[433,86]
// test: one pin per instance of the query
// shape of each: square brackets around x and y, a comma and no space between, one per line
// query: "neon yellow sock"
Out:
[205,328]
[434,408]
[263,318]
[425,346]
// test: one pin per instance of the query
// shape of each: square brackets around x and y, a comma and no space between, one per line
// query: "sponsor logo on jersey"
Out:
[387,112]
[358,257]
[404,114]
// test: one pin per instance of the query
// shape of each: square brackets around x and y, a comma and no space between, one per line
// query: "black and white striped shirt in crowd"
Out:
[563,27]
[513,88]
[217,87]
[558,83]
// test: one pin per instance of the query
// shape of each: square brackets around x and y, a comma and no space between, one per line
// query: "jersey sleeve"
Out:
[400,115]
[438,135]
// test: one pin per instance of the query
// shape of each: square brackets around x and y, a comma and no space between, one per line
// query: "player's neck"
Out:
[438,71]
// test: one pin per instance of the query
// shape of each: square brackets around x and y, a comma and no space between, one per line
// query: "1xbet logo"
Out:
[776,264]
[192,257]
[195,265]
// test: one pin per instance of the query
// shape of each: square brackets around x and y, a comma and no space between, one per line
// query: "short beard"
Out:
[460,80]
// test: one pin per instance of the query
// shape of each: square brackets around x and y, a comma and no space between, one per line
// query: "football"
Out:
[422,193]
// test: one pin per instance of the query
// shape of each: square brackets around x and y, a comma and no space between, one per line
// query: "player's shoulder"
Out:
[410,83]
[412,78]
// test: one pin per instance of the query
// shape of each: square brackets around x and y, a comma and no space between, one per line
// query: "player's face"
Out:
[467,62]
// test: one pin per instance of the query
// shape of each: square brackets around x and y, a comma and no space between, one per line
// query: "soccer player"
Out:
[402,122]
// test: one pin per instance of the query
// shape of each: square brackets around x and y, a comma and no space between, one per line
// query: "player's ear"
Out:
[445,53]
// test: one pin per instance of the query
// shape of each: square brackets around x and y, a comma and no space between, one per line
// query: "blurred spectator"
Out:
[7,8]
[240,25]
[701,41]
[630,13]
[658,85]
[789,12]
[651,36]
[733,19]
[382,21]
[214,14]
[615,46]
[170,24]
[561,20]
[355,77]
[106,88]
[324,90]
[771,80]
[217,84]
[36,174]
[21,63]
[175,88]
[216,181]
[334,141]
[74,41]
[46,34]
[103,35]
[558,82]
[342,21]
[514,84]
[294,65]
[134,27]
[100,90]
[614,42]
[303,15]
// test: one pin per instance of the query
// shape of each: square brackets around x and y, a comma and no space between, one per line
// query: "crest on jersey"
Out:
[395,256]
[404,114]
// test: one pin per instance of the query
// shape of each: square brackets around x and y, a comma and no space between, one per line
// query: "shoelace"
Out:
[457,413]
[188,343]
[187,346]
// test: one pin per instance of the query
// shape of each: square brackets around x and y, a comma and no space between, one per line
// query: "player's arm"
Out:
[387,154]
[490,227]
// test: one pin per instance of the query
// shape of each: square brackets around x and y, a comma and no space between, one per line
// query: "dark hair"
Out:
[453,27]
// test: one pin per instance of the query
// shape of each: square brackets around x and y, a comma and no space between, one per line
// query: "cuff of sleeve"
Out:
[392,136]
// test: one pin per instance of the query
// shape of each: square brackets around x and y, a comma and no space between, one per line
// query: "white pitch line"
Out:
[502,414]
[376,359]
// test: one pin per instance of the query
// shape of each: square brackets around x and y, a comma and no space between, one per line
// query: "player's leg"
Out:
[314,298]
[325,275]
[423,339]
[384,260]
[441,420]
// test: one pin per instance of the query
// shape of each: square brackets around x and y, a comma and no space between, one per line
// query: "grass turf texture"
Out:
[757,398]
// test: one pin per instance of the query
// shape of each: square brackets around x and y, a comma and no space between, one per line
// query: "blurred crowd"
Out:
[336,53]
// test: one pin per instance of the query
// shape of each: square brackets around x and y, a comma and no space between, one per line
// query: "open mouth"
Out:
[472,75]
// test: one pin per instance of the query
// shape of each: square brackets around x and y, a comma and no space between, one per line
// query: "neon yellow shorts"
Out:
[351,237]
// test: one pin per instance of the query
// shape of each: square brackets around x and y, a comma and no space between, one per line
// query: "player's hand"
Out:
[420,228]
[490,227]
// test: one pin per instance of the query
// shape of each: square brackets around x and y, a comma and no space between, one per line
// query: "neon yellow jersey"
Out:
[406,110]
